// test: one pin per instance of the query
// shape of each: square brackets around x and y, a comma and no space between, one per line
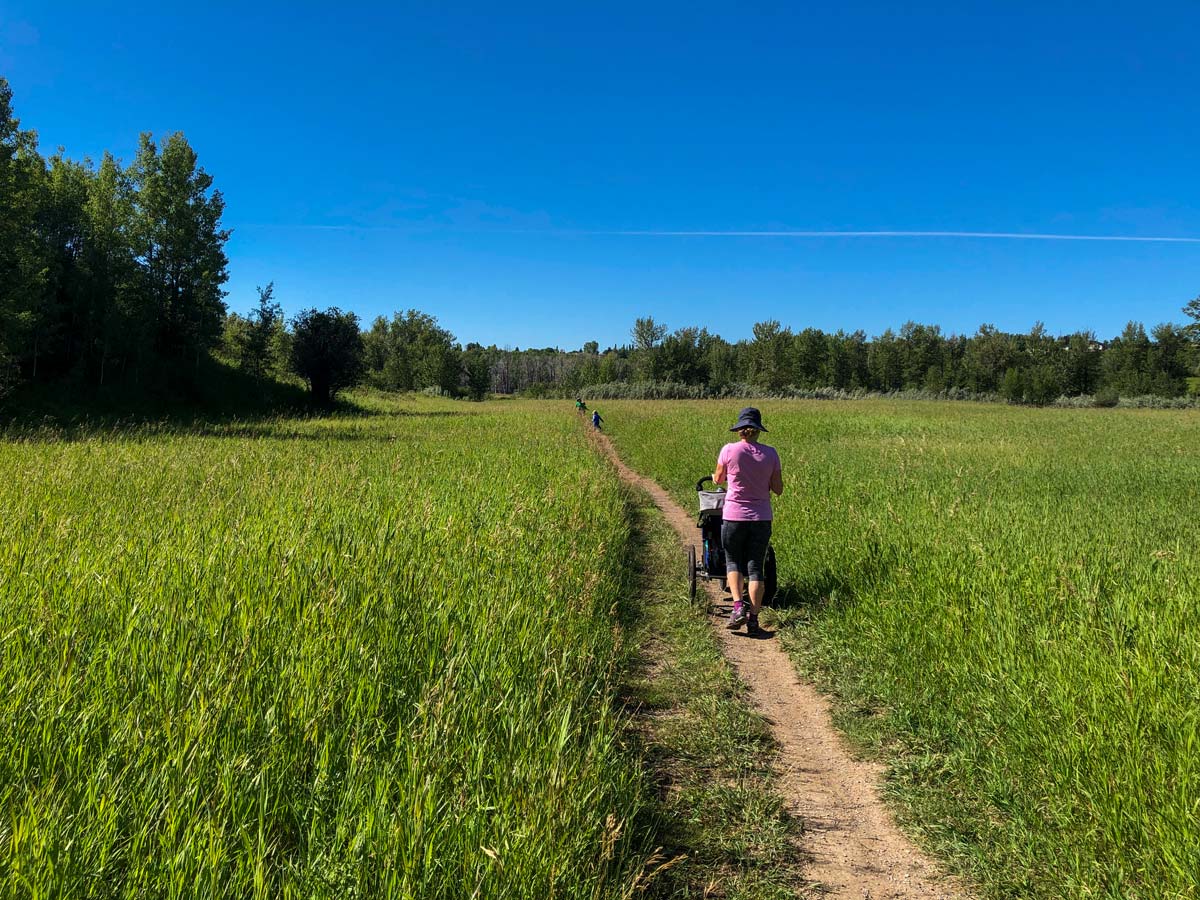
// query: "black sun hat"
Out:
[749,418]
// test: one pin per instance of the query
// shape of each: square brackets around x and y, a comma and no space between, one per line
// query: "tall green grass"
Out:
[1010,598]
[368,656]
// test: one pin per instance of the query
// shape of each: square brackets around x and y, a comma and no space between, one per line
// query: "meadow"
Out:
[371,655]
[1004,600]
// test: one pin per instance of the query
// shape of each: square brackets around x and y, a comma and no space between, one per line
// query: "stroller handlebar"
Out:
[700,483]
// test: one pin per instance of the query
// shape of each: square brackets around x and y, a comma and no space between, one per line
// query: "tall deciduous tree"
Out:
[770,354]
[21,263]
[178,240]
[1192,311]
[118,326]
[646,333]
[64,328]
[477,372]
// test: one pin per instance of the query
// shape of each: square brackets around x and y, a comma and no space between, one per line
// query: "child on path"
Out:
[596,420]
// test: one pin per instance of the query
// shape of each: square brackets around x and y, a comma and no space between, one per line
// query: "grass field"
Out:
[364,656]
[1004,599]
[379,654]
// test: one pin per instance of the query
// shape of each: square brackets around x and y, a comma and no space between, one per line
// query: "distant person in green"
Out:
[579,407]
[596,420]
[754,474]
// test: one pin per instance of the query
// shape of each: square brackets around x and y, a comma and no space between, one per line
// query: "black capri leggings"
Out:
[745,546]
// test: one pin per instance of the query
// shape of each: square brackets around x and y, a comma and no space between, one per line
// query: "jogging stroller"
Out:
[711,563]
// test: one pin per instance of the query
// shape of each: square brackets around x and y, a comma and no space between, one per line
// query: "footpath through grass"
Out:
[367,656]
[1005,601]
[722,828]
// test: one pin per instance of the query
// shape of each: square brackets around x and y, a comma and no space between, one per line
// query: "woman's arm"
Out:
[719,475]
[777,483]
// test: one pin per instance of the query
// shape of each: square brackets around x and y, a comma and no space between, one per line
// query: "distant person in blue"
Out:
[596,420]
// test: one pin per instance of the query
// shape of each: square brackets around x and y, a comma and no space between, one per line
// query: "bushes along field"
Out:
[1008,598]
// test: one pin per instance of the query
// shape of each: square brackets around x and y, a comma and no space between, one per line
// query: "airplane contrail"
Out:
[1000,235]
[580,232]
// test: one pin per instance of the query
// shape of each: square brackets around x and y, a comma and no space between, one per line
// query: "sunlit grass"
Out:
[362,656]
[1008,597]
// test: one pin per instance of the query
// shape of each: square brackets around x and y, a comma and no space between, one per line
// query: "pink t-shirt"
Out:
[749,468]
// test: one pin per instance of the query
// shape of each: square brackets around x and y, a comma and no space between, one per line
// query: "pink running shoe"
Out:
[739,616]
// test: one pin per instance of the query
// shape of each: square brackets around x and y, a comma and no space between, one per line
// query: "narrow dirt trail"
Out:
[854,847]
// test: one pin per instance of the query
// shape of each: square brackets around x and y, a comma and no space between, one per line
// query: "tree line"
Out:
[115,273]
[106,271]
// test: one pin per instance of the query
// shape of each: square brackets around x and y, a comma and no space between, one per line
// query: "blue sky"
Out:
[480,162]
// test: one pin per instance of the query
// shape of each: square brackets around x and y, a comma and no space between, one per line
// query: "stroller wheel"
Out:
[691,567]
[770,575]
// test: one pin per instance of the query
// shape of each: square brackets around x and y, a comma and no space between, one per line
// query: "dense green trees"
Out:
[411,352]
[21,278]
[259,344]
[116,273]
[106,271]
[179,248]
[1035,367]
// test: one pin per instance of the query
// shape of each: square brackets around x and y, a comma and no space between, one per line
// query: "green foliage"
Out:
[22,263]
[1192,311]
[770,352]
[110,271]
[646,333]
[1034,368]
[477,374]
[326,351]
[411,353]
[258,344]
[179,245]
[1007,612]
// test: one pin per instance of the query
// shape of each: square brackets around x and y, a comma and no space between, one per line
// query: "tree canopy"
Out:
[116,272]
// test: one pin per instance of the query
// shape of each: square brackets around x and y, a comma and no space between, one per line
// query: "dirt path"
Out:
[855,848]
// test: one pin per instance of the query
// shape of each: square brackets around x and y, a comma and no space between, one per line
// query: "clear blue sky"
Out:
[473,161]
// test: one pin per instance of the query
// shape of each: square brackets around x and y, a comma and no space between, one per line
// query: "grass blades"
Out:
[1005,601]
[364,656]
[723,829]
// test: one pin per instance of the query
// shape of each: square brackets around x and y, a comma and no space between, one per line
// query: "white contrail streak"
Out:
[998,235]
[573,232]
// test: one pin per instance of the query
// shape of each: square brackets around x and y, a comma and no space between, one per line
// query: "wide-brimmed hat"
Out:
[749,418]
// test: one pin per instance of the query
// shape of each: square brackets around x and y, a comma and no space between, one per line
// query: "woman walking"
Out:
[754,473]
